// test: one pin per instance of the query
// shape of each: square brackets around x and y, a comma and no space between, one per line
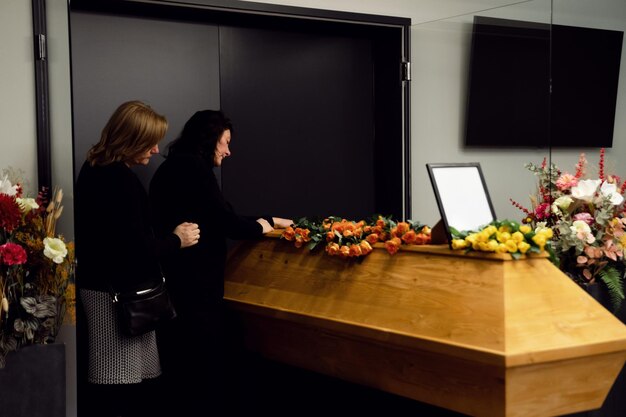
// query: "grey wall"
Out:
[173,66]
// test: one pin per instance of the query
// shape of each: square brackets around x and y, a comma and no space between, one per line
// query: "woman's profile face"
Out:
[144,158]
[221,148]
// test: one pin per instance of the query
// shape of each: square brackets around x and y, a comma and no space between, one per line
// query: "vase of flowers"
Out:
[586,215]
[36,268]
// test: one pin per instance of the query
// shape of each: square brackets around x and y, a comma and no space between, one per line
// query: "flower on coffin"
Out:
[505,236]
[350,239]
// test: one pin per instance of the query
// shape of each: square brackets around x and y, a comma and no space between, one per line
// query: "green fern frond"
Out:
[613,280]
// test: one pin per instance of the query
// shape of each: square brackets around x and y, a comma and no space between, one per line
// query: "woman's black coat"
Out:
[185,189]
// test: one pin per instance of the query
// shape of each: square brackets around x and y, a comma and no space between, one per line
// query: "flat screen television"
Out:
[519,97]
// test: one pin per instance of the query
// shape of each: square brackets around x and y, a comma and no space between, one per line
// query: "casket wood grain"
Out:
[480,334]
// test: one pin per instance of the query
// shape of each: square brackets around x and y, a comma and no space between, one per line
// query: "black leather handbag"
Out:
[143,310]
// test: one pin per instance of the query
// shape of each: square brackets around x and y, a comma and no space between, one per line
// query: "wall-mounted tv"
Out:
[539,85]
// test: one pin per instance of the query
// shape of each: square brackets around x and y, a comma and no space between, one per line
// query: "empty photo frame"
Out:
[462,196]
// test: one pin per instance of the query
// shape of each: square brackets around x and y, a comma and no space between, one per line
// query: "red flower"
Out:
[12,254]
[542,211]
[9,213]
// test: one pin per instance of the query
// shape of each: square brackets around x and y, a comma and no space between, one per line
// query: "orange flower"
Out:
[332,248]
[355,250]
[422,239]
[299,241]
[344,251]
[393,245]
[289,233]
[330,236]
[365,247]
[372,238]
[402,228]
[304,233]
[409,237]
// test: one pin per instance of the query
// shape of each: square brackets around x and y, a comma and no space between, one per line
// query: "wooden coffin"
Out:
[479,334]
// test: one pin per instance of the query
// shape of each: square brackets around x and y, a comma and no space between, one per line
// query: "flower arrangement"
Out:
[350,239]
[505,236]
[36,268]
[587,219]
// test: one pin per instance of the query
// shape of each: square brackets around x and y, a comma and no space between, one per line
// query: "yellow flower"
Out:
[523,247]
[525,229]
[503,236]
[489,246]
[460,243]
[504,229]
[511,246]
[540,240]
[471,239]
[491,229]
[502,248]
[483,236]
[517,237]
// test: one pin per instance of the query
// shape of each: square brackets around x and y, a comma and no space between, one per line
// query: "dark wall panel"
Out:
[302,106]
[173,66]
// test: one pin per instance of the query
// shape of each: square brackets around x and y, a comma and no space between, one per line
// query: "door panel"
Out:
[173,66]
[302,106]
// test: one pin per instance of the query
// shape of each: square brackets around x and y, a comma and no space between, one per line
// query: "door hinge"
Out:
[406,71]
[41,47]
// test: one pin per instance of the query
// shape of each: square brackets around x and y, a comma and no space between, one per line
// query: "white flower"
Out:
[54,249]
[6,187]
[561,204]
[27,204]
[582,231]
[585,189]
[610,191]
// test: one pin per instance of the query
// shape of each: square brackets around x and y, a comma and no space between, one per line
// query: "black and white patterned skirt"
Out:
[113,357]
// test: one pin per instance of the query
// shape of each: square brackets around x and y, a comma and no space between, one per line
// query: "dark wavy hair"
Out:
[201,133]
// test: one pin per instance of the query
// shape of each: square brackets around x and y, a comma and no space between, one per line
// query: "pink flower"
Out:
[593,252]
[566,181]
[542,211]
[12,254]
[611,250]
[585,217]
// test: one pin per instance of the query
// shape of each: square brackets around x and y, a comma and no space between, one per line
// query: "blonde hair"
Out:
[132,129]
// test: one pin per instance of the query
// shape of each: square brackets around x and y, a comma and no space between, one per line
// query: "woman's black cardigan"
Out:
[115,244]
[185,189]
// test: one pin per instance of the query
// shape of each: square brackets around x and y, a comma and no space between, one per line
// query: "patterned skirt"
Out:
[113,357]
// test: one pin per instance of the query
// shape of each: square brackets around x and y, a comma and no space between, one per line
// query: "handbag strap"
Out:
[115,295]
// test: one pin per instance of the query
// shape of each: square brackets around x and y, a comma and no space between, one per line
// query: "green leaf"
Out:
[613,280]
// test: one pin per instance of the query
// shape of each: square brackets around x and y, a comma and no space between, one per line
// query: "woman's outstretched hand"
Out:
[265,224]
[188,233]
[281,223]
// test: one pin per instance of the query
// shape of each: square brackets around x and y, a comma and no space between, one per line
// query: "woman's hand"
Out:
[188,233]
[265,224]
[280,223]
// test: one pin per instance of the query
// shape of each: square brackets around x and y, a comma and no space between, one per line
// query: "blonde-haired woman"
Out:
[117,249]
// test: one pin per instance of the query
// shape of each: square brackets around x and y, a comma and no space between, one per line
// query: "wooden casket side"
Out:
[475,334]
[405,299]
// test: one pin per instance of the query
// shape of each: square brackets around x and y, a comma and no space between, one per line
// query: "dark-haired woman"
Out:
[116,249]
[185,187]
